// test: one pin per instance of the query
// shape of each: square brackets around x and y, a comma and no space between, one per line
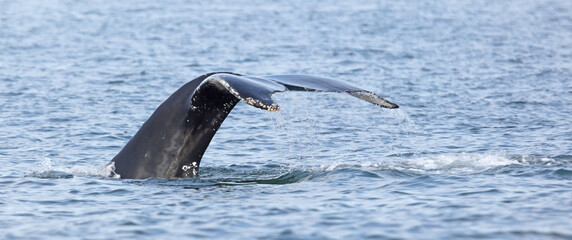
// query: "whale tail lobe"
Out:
[257,91]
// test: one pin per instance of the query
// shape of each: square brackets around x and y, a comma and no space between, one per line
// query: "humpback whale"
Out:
[171,143]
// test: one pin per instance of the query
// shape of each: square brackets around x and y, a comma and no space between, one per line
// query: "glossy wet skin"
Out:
[171,143]
[153,149]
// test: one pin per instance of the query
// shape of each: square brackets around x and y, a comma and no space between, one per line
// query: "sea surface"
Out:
[480,148]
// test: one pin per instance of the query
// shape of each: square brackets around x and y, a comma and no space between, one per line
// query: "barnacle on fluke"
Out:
[257,103]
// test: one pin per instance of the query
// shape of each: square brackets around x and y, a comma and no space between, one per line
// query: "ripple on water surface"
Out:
[480,147]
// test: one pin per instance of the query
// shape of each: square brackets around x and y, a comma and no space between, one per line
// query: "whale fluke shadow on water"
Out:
[171,143]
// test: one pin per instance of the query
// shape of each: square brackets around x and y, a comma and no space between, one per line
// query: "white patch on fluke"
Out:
[372,98]
[193,167]
[251,101]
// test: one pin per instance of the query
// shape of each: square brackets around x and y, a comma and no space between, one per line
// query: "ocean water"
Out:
[481,146]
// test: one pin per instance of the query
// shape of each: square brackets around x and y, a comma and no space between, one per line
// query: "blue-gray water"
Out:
[480,148]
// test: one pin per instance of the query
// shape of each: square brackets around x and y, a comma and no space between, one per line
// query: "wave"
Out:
[278,173]
[48,170]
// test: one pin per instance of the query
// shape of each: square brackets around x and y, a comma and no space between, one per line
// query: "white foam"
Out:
[462,163]
[457,163]
[48,169]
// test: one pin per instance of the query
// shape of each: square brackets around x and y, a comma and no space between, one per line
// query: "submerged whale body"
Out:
[171,143]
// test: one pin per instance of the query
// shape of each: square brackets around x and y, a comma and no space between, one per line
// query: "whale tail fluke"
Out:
[171,143]
[257,91]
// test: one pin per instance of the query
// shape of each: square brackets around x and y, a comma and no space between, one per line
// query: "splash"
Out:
[47,169]
[445,164]
[462,163]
